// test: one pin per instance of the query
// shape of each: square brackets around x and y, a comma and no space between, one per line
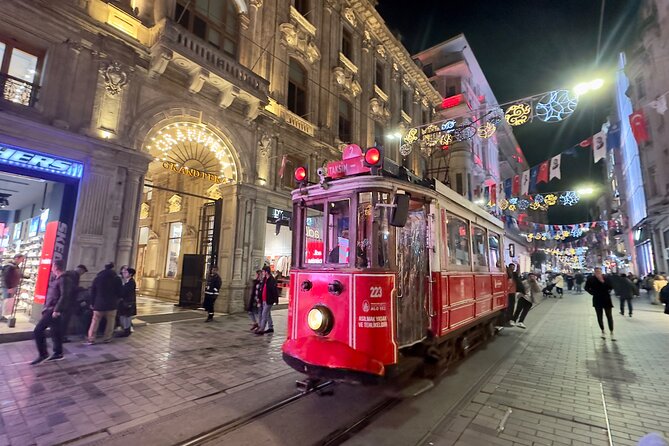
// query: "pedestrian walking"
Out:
[514,283]
[526,298]
[559,285]
[57,295]
[600,288]
[10,278]
[105,295]
[579,279]
[128,306]
[253,304]
[659,282]
[627,291]
[211,291]
[570,282]
[269,295]
[72,304]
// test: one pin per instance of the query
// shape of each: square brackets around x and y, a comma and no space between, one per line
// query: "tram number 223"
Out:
[375,291]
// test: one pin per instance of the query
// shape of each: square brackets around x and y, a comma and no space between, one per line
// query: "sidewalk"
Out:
[554,389]
[106,388]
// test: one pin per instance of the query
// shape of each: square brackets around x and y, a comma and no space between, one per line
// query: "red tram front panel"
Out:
[362,337]
[499,285]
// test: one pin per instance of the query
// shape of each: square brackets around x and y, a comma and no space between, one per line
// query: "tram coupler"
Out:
[308,384]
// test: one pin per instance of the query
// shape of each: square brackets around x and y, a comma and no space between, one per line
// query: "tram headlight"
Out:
[320,319]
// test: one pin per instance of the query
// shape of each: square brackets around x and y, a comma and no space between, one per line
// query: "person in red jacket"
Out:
[269,295]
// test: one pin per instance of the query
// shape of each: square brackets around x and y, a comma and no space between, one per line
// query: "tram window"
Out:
[314,236]
[382,218]
[363,249]
[479,241]
[338,232]
[493,247]
[458,241]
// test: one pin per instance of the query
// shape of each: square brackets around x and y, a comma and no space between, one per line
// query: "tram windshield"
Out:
[352,231]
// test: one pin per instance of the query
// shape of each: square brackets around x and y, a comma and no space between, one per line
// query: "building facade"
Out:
[647,73]
[184,121]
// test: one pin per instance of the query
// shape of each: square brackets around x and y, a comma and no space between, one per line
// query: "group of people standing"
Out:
[264,294]
[109,295]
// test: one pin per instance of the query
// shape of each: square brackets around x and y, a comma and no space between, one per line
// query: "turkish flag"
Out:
[542,177]
[586,142]
[515,190]
[638,123]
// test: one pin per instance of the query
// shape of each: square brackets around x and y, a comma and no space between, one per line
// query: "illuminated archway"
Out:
[193,149]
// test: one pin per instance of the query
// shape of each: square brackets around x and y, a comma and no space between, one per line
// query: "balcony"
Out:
[17,90]
[204,63]
[291,118]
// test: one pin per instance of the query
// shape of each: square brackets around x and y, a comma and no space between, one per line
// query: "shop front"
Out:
[278,245]
[38,196]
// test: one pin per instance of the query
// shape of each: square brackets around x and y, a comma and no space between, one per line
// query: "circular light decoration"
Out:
[512,207]
[556,106]
[486,130]
[535,206]
[431,136]
[523,204]
[405,149]
[189,144]
[504,205]
[565,234]
[448,126]
[569,198]
[513,200]
[496,116]
[538,198]
[550,199]
[411,136]
[465,132]
[518,114]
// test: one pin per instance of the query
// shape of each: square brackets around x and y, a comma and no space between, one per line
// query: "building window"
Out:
[345,120]
[458,241]
[406,101]
[297,88]
[451,91]
[214,21]
[173,249]
[640,87]
[19,73]
[301,6]
[379,75]
[480,249]
[379,138]
[426,115]
[347,43]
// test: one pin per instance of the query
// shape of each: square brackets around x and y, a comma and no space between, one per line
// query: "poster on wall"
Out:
[43,217]
[17,231]
[34,227]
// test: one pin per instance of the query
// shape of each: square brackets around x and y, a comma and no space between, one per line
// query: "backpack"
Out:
[664,295]
[8,277]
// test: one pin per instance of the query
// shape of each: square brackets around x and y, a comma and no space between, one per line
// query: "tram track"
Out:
[226,428]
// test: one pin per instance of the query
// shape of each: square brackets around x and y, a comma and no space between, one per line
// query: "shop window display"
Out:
[173,249]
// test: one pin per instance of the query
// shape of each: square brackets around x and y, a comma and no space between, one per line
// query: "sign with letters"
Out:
[29,159]
[189,171]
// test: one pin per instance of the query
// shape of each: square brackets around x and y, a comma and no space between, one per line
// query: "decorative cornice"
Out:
[380,93]
[350,16]
[300,20]
[346,62]
[299,35]
[346,81]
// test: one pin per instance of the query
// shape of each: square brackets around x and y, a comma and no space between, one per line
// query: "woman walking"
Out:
[254,301]
[128,305]
[600,289]
[527,296]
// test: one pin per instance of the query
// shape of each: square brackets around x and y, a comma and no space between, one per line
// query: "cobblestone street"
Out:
[550,387]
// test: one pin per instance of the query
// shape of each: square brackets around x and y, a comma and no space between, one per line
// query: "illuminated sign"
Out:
[29,159]
[193,172]
[278,216]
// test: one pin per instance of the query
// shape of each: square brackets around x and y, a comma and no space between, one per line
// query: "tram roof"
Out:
[364,182]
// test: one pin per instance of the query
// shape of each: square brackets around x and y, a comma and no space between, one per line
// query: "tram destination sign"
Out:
[189,171]
[41,162]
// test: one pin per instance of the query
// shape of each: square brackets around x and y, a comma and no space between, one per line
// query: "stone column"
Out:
[128,229]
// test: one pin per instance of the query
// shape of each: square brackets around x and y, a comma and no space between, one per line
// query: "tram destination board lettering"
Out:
[346,167]
[191,172]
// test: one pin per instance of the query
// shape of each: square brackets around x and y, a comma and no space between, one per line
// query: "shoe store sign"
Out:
[41,162]
[189,171]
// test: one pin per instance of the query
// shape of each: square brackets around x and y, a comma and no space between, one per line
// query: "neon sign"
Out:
[41,162]
[192,172]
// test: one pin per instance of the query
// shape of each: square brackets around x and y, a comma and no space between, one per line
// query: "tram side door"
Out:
[412,261]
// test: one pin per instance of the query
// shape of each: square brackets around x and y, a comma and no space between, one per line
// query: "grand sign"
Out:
[192,172]
[28,159]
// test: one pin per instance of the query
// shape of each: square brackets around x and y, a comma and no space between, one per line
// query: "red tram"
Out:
[385,267]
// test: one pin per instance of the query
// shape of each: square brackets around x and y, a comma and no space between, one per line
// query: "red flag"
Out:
[283,166]
[638,123]
[515,189]
[586,142]
[542,176]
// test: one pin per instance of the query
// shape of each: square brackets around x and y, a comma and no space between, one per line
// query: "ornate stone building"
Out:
[172,104]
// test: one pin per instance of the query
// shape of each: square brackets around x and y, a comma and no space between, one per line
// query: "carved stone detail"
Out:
[346,81]
[256,3]
[159,61]
[265,144]
[115,77]
[378,110]
[396,71]
[197,80]
[174,203]
[144,210]
[367,41]
[381,51]
[299,40]
[350,16]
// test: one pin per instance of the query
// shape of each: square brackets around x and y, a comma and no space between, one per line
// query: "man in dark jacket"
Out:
[10,278]
[627,291]
[269,295]
[57,295]
[211,291]
[74,276]
[105,296]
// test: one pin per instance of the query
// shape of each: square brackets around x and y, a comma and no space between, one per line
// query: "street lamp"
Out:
[394,135]
[585,87]
[585,190]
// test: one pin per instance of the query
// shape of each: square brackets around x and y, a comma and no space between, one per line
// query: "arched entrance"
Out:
[179,222]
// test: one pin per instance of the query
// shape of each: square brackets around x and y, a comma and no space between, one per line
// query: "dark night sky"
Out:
[527,47]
